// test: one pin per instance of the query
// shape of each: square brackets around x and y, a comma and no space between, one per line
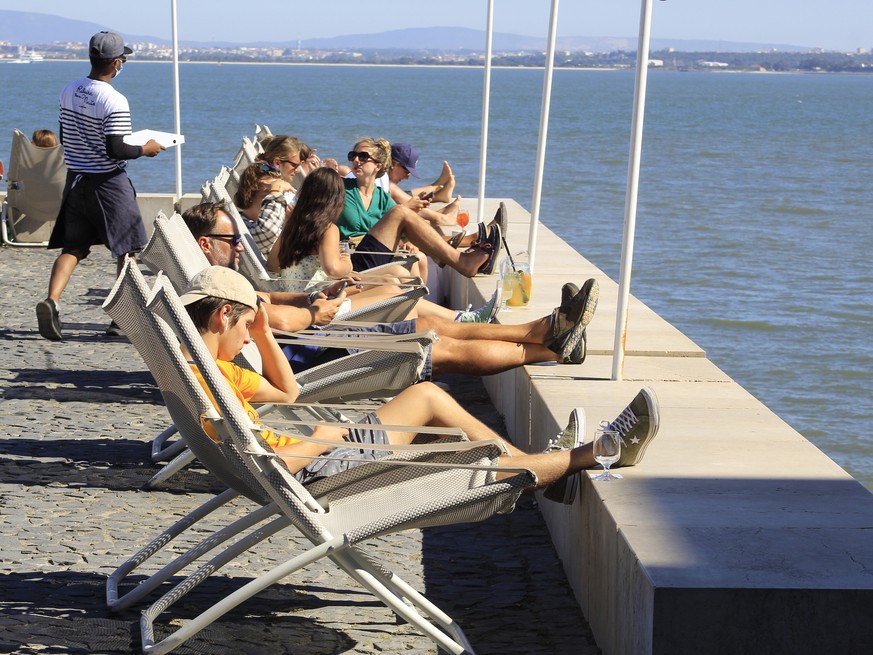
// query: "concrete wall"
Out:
[735,534]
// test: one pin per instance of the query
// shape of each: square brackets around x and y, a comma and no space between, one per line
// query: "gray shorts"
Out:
[322,468]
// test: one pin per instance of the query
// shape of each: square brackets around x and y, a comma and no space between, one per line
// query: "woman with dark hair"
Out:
[310,241]
[308,251]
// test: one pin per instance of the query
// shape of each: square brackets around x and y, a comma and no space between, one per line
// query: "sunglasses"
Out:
[264,167]
[236,238]
[363,156]
[294,164]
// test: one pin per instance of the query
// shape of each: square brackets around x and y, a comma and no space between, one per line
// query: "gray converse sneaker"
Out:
[485,313]
[637,426]
[573,436]
[570,319]
[48,320]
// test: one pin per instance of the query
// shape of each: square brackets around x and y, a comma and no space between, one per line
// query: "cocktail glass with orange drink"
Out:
[463,218]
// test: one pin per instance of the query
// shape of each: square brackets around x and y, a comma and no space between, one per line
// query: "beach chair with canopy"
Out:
[365,375]
[34,187]
[420,485]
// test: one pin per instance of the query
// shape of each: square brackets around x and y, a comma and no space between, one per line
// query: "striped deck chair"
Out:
[418,486]
[359,376]
[34,186]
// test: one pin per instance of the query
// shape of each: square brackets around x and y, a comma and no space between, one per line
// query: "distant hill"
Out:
[30,29]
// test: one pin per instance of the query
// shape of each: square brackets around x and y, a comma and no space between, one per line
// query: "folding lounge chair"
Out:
[419,486]
[34,187]
[173,249]
[358,376]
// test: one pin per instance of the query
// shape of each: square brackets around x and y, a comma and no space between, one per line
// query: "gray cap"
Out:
[107,45]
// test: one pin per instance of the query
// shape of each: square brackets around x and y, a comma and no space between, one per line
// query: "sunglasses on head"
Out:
[236,238]
[264,167]
[363,156]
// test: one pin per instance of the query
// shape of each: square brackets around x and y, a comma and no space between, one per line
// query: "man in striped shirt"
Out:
[99,204]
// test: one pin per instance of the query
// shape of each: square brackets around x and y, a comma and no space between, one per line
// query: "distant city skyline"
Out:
[835,25]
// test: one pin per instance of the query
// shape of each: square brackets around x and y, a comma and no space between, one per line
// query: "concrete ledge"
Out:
[735,534]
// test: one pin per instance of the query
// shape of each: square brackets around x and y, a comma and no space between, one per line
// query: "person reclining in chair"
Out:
[471,348]
[226,312]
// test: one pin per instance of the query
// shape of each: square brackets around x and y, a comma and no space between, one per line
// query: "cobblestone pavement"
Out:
[78,417]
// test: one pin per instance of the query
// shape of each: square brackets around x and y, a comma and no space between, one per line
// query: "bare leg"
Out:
[534,332]
[452,208]
[61,272]
[401,221]
[484,357]
[427,404]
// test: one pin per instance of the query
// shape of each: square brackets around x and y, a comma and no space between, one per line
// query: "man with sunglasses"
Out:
[221,242]
[99,202]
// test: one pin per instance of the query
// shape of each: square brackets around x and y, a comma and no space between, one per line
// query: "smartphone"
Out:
[342,288]
[427,196]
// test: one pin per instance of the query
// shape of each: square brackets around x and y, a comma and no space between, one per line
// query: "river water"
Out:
[754,228]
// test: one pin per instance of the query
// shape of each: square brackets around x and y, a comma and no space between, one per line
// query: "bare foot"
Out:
[447,180]
[469,262]
[452,207]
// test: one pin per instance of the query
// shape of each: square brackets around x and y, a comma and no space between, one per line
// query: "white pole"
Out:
[633,178]
[176,103]
[486,103]
[544,133]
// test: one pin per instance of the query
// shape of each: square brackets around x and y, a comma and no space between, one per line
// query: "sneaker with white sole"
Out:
[568,322]
[564,490]
[637,426]
[571,436]
[485,313]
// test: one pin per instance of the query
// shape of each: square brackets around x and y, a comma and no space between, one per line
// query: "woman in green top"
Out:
[370,211]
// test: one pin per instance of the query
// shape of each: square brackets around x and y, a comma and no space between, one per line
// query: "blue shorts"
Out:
[362,261]
[322,468]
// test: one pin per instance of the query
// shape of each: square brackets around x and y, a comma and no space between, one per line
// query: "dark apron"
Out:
[100,208]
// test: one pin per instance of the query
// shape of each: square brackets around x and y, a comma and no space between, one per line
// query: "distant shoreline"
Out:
[602,69]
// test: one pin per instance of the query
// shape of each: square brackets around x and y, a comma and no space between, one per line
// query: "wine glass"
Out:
[607,449]
[463,218]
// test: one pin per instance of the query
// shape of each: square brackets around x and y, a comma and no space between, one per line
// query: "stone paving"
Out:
[78,417]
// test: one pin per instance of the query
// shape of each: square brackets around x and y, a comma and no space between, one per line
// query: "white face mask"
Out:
[118,72]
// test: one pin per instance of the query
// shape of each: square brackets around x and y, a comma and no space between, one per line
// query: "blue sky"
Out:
[831,24]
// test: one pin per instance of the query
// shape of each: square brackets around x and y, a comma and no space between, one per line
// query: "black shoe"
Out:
[113,330]
[48,320]
[563,490]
